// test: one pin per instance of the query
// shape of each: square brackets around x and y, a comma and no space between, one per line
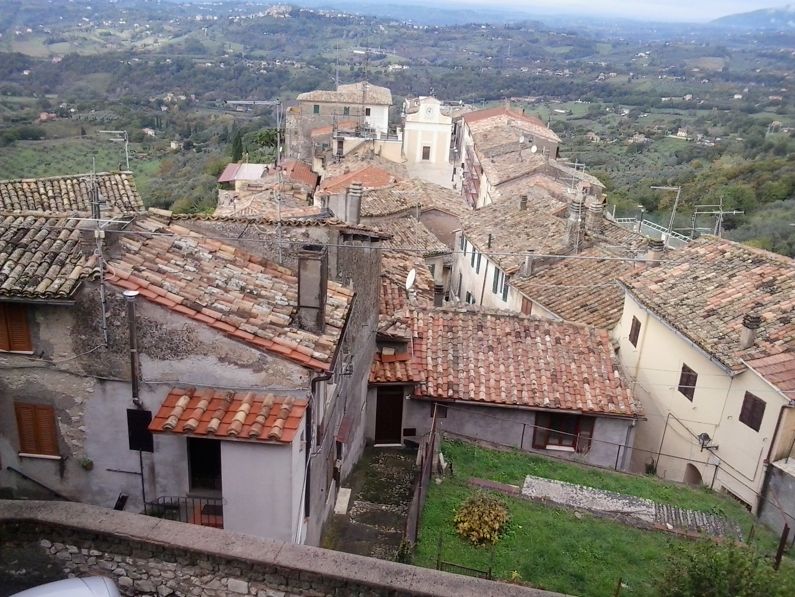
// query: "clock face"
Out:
[429,110]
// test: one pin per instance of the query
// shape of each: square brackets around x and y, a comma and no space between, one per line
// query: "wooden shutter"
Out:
[26,427]
[541,430]
[752,411]
[36,428]
[14,331]
[4,343]
[584,434]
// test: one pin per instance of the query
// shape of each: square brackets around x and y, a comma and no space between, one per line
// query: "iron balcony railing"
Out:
[208,512]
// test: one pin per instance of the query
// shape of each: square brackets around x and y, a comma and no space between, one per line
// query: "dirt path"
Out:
[381,486]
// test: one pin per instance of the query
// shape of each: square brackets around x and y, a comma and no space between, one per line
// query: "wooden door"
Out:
[389,415]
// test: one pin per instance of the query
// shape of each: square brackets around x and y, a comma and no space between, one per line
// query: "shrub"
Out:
[481,519]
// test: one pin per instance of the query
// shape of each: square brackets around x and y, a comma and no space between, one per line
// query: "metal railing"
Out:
[208,512]
[654,230]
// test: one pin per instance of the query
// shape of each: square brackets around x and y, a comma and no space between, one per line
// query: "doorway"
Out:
[204,464]
[389,415]
[693,475]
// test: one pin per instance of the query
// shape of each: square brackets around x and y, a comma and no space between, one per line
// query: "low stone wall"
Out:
[44,541]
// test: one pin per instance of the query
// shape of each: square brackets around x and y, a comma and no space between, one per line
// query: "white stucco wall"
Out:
[480,284]
[259,488]
[655,366]
[427,127]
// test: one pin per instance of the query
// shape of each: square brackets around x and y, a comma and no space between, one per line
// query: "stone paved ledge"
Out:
[162,557]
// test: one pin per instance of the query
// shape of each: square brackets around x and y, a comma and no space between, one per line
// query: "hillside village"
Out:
[383,285]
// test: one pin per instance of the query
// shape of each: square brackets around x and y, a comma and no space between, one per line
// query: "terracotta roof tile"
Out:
[406,195]
[228,289]
[501,116]
[779,370]
[225,414]
[514,360]
[580,290]
[711,285]
[371,177]
[67,194]
[300,172]
[351,93]
[408,233]
[41,256]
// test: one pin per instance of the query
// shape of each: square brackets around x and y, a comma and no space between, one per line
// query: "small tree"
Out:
[720,570]
[237,147]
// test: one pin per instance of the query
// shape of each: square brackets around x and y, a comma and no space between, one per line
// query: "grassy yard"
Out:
[554,548]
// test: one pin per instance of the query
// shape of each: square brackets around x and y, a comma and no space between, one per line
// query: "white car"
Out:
[94,586]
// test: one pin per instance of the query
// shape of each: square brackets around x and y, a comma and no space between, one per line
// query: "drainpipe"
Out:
[135,366]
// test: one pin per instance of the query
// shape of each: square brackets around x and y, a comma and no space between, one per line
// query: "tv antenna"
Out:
[121,137]
[673,211]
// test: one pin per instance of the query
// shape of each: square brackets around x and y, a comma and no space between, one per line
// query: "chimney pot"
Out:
[523,202]
[655,251]
[529,263]
[312,287]
[353,204]
[751,323]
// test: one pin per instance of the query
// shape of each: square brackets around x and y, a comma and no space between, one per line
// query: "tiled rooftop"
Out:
[262,200]
[510,359]
[235,171]
[68,194]
[779,370]
[513,230]
[580,290]
[543,193]
[710,285]
[394,301]
[41,256]
[411,234]
[326,131]
[242,295]
[501,116]
[407,194]
[371,177]
[510,166]
[223,414]
[299,172]
[351,93]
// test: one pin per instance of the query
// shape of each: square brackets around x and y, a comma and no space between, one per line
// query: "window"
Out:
[440,409]
[460,279]
[37,431]
[432,269]
[204,464]
[687,382]
[14,332]
[426,152]
[556,431]
[474,257]
[316,109]
[463,243]
[752,411]
[470,298]
[495,284]
[367,111]
[634,332]
[504,288]
[346,111]
[477,264]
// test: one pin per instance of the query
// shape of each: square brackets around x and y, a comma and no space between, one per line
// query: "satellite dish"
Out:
[534,149]
[411,278]
[521,139]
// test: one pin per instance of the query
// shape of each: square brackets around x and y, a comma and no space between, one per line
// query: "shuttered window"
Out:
[36,429]
[563,431]
[634,332]
[14,331]
[752,411]
[687,382]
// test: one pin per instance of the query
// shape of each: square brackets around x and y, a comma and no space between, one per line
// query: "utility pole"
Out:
[277,103]
[121,136]
[673,211]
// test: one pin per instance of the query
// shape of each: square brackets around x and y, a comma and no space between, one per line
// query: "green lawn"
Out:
[552,548]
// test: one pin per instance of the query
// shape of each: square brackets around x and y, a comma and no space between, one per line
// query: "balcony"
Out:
[208,512]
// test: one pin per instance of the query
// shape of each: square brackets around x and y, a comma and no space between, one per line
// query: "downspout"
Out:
[766,481]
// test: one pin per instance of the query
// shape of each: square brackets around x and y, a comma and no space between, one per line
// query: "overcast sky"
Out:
[658,10]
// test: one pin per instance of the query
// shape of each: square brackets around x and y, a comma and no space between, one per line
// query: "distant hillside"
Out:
[781,18]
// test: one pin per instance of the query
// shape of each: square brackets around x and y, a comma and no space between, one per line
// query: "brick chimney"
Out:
[574,225]
[594,216]
[312,287]
[751,323]
[654,252]
[529,264]
[522,202]
[353,204]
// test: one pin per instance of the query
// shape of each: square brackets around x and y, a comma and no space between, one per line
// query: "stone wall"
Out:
[45,541]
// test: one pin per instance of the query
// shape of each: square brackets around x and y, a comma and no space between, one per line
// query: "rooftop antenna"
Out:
[673,211]
[121,136]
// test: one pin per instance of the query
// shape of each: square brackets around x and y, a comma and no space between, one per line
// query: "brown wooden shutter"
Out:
[26,427]
[4,343]
[46,433]
[541,430]
[17,324]
[584,434]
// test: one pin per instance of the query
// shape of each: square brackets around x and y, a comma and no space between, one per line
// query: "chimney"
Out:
[528,264]
[488,242]
[438,295]
[655,252]
[312,287]
[353,204]
[523,202]
[594,218]
[575,222]
[751,323]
